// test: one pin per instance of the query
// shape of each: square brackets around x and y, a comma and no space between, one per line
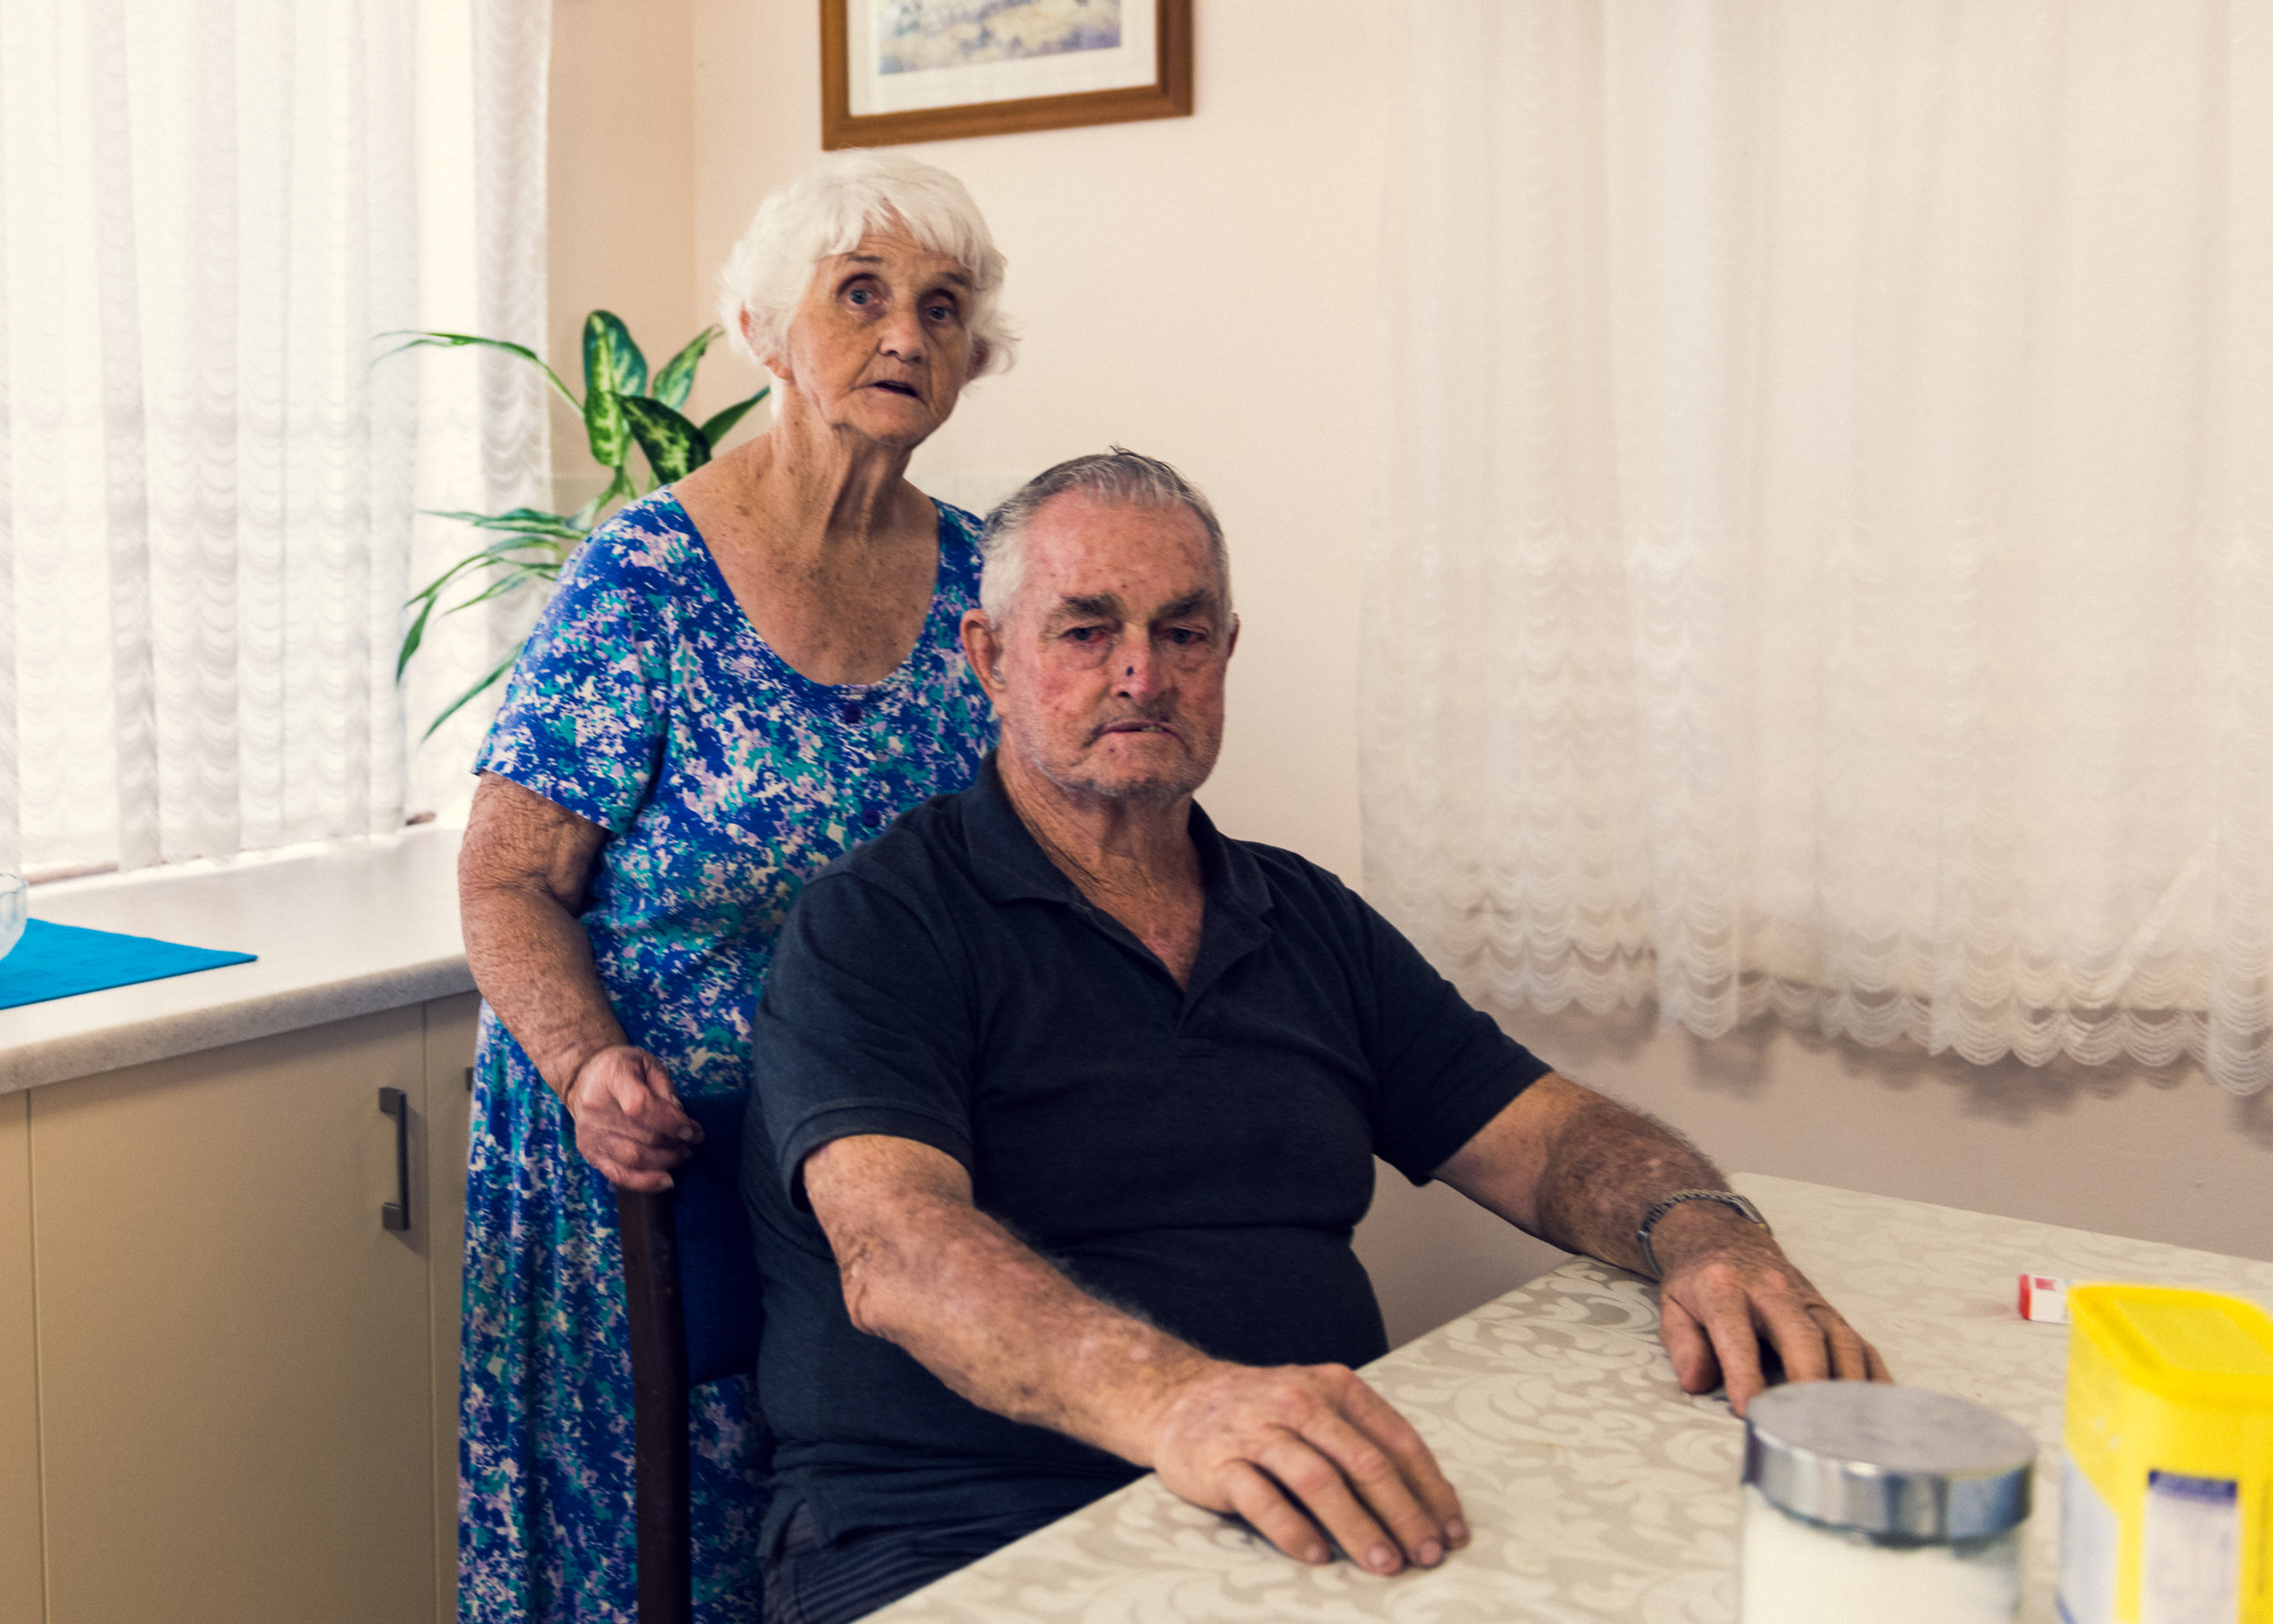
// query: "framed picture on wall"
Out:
[934,70]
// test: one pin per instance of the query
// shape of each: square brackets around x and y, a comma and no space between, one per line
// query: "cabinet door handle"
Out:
[395,1214]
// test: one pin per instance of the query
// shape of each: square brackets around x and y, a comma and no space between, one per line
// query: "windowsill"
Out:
[345,929]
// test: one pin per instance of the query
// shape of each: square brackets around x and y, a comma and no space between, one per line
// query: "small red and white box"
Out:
[2044,1299]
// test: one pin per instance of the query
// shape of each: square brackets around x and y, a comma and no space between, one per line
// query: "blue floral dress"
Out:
[647,702]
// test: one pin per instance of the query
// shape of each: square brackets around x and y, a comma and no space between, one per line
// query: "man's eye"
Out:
[1084,634]
[1185,636]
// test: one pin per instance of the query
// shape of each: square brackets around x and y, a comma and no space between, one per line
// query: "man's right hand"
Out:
[629,1123]
[1298,1449]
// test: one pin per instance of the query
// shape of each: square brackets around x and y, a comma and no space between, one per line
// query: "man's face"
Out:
[1108,671]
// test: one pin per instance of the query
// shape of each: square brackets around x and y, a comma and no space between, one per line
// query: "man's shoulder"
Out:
[1289,874]
[1309,891]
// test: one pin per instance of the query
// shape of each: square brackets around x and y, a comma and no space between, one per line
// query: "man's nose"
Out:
[1137,670]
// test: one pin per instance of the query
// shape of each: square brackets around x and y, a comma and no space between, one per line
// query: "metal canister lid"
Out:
[1894,1462]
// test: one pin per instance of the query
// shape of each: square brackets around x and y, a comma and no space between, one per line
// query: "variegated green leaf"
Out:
[524,521]
[613,366]
[677,376]
[424,340]
[606,428]
[415,636]
[507,558]
[459,703]
[717,428]
[515,577]
[675,446]
[620,488]
[611,359]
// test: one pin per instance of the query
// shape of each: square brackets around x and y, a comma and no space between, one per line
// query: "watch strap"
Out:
[1725,1198]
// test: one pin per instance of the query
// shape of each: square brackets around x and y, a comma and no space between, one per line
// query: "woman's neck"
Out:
[817,488]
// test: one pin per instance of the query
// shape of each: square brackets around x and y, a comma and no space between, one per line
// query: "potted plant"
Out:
[622,408]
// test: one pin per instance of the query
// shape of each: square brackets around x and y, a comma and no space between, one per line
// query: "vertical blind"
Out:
[214,210]
[1826,567]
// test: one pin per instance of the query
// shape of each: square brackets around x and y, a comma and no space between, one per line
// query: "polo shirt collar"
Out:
[1009,864]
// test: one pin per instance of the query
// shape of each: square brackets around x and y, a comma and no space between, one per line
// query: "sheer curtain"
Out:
[1826,565]
[212,210]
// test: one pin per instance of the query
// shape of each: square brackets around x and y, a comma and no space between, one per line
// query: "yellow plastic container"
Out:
[2167,1499]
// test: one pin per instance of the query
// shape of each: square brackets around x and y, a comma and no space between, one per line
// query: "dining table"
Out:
[1595,1488]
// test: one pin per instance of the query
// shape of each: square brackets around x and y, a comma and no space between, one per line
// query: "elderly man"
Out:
[1066,1106]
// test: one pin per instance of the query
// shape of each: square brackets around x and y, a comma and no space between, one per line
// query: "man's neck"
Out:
[1134,858]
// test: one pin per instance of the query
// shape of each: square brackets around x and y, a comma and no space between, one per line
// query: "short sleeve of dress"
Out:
[586,707]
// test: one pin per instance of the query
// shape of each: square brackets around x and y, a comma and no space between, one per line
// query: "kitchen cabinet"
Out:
[246,1382]
[450,1023]
[20,1601]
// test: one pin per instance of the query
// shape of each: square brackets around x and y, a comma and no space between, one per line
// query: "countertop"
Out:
[343,929]
[1599,1492]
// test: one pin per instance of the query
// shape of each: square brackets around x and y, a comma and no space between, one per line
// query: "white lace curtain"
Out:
[1826,566]
[209,210]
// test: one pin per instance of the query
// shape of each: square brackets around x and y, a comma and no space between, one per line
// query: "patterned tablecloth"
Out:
[1596,1489]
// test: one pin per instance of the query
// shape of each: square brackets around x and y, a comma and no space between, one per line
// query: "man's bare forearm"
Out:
[1579,1169]
[1293,1448]
[987,1314]
[1608,1166]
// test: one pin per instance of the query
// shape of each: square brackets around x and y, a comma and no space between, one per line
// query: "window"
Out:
[209,213]
[1827,567]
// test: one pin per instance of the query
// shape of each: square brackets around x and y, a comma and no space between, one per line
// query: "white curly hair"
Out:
[827,210]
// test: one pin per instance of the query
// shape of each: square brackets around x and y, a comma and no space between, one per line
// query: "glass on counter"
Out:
[15,899]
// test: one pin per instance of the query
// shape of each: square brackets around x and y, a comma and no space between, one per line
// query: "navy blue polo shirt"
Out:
[1199,1154]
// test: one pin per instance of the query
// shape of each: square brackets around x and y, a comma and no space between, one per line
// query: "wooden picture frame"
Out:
[1168,95]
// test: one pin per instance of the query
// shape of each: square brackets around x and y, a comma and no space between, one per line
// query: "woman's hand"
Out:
[629,1124]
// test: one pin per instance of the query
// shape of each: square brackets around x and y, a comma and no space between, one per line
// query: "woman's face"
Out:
[881,342]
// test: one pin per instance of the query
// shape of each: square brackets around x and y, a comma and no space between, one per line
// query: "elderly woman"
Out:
[738,677]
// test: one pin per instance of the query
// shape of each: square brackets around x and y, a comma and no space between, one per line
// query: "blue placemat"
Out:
[55,961]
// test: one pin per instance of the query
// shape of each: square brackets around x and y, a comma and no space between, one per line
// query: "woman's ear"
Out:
[769,356]
[982,352]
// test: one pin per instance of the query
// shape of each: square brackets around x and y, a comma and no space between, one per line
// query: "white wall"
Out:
[1204,289]
[1199,288]
[620,174]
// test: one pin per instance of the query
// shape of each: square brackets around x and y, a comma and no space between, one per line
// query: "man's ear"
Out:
[983,649]
[1231,645]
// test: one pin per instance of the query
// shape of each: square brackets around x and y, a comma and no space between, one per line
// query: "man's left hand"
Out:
[1728,1287]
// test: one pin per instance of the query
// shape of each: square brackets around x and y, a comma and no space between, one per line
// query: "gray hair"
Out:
[1121,477]
[827,210]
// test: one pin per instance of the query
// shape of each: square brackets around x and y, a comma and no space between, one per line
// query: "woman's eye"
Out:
[941,313]
[860,296]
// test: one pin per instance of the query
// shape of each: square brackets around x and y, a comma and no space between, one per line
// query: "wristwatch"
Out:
[1727,1197]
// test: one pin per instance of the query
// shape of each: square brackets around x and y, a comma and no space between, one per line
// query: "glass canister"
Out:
[14,904]
[1874,1504]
